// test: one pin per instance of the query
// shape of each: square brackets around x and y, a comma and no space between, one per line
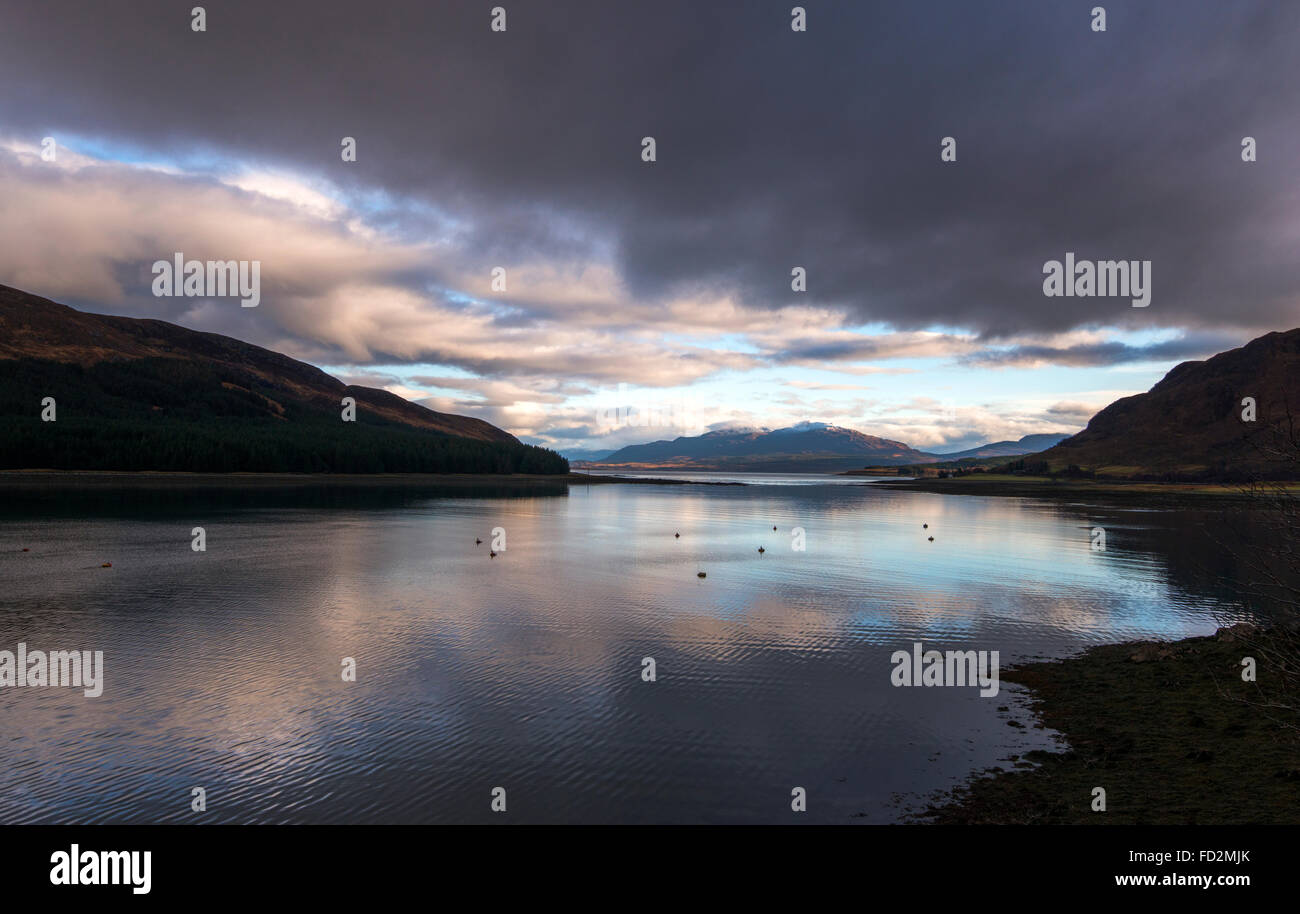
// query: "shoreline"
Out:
[1042,487]
[112,479]
[1167,728]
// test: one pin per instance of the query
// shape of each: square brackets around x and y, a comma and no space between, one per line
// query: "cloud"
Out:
[813,385]
[334,289]
[521,150]
[776,149]
[1200,345]
[1074,414]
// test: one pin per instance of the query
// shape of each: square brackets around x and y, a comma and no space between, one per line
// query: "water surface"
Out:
[524,671]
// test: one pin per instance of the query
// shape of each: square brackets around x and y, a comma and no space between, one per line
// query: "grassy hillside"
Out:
[146,395]
[165,414]
[1190,426]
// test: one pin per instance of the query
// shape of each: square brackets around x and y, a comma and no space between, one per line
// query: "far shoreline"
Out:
[107,479]
[1044,487]
[979,484]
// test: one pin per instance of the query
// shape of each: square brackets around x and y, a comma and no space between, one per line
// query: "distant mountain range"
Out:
[576,455]
[811,447]
[807,448]
[133,394]
[1190,425]
[1196,424]
[1030,444]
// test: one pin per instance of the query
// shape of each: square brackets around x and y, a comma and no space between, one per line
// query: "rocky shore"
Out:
[1169,730]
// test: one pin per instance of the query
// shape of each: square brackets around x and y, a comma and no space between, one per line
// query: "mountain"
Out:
[589,456]
[133,394]
[1189,426]
[811,447]
[1030,444]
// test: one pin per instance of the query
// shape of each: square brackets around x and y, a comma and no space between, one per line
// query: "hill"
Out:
[1029,444]
[1190,427]
[135,394]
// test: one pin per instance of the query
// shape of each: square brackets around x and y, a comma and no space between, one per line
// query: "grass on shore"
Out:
[1169,730]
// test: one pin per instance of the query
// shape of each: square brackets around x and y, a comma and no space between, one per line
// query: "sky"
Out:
[648,299]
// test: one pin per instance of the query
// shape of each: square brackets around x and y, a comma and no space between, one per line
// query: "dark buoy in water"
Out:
[106,565]
[761,550]
[477,541]
[932,539]
[677,536]
[700,574]
[774,526]
[492,555]
[25,549]
[925,526]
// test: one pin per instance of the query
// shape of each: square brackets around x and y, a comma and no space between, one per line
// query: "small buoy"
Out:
[932,539]
[25,549]
[761,550]
[477,541]
[925,526]
[701,574]
[774,526]
[106,565]
[677,536]
[492,555]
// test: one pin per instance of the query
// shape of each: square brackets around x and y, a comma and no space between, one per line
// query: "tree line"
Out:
[172,415]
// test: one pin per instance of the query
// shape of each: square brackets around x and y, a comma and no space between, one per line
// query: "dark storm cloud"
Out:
[775,149]
[1076,414]
[1194,346]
